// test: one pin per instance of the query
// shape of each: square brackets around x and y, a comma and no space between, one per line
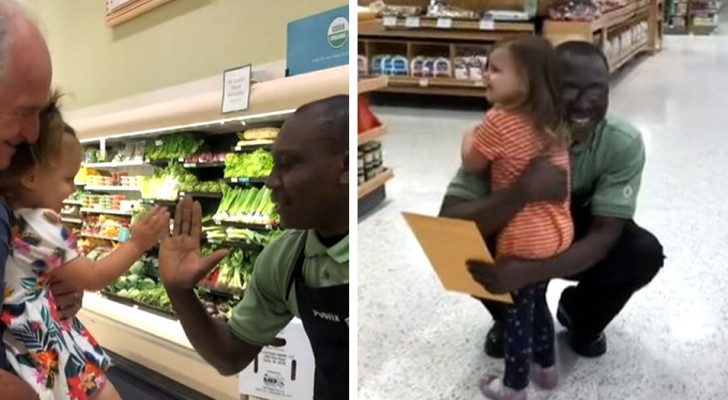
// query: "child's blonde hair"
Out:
[46,151]
[539,70]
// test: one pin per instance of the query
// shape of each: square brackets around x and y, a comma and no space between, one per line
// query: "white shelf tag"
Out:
[487,23]
[389,20]
[412,22]
[444,23]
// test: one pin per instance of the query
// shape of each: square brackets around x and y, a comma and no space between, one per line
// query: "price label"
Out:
[487,23]
[188,165]
[412,22]
[444,23]
[424,82]
[234,180]
[389,20]
[158,142]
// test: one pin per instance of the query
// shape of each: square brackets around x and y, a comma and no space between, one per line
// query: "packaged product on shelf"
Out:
[378,63]
[442,68]
[567,10]
[363,65]
[417,66]
[399,66]
[270,133]
[360,164]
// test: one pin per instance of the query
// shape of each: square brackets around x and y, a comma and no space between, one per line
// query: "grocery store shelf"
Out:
[460,30]
[628,56]
[95,236]
[73,202]
[237,244]
[557,31]
[204,165]
[72,220]
[246,180]
[115,164]
[374,183]
[210,195]
[155,341]
[252,147]
[218,291]
[160,201]
[112,188]
[102,211]
[245,225]
[439,86]
[372,84]
[371,134]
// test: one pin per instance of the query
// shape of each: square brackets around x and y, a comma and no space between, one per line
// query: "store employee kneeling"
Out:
[304,273]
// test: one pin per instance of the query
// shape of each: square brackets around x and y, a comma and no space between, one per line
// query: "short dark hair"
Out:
[333,117]
[581,49]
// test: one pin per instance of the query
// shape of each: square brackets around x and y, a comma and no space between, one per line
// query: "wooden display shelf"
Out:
[628,55]
[461,30]
[559,31]
[435,86]
[371,134]
[371,84]
[375,183]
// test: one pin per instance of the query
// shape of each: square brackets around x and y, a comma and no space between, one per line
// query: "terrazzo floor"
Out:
[418,342]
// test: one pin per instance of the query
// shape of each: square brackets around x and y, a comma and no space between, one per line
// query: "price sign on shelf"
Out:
[487,23]
[412,22]
[444,23]
[389,20]
[236,89]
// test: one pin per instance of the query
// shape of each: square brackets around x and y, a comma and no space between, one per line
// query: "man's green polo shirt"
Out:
[264,310]
[606,171]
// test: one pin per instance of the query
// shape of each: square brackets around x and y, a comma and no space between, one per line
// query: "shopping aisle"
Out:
[418,342]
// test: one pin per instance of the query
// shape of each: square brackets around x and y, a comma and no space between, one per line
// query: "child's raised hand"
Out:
[150,227]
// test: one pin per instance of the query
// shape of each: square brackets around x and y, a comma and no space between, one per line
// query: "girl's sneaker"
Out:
[492,387]
[546,378]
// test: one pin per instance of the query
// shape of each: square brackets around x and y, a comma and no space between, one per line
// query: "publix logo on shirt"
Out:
[338,32]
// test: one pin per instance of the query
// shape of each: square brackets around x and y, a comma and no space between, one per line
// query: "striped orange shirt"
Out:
[542,229]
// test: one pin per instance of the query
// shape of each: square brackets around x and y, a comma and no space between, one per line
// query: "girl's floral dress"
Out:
[59,359]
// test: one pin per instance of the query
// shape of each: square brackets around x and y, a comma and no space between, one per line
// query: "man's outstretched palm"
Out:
[181,265]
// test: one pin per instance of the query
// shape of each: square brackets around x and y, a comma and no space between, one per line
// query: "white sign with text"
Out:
[236,89]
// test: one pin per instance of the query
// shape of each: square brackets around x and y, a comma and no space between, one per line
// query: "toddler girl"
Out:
[526,121]
[59,359]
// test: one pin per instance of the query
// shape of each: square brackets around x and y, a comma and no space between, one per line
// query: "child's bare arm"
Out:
[472,159]
[85,274]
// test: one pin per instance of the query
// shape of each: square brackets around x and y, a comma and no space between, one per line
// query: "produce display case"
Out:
[372,175]
[696,17]
[156,156]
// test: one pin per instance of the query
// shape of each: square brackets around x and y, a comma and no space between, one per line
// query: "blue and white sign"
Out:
[318,42]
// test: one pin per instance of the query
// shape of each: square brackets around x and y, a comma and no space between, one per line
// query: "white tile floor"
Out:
[418,342]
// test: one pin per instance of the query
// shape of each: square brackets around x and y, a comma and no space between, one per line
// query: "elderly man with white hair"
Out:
[25,80]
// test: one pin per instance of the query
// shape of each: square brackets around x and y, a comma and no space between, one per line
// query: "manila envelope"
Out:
[448,243]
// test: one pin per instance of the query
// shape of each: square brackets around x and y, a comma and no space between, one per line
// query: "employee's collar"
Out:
[338,252]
